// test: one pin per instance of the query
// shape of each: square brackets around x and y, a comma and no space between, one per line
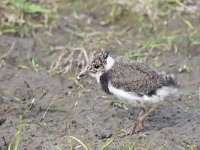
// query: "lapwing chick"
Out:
[136,83]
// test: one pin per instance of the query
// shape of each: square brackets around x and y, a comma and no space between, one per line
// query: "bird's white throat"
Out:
[110,62]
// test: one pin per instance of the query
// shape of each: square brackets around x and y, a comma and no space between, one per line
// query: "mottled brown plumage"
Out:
[139,78]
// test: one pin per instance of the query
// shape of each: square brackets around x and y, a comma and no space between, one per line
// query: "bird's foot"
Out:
[124,133]
[137,127]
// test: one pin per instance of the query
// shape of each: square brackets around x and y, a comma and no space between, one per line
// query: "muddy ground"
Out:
[54,106]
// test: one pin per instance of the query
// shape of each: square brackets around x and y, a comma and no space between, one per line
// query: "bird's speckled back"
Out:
[139,78]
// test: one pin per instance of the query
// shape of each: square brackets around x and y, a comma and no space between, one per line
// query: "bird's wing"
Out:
[135,77]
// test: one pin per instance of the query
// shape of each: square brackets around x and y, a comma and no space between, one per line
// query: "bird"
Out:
[137,83]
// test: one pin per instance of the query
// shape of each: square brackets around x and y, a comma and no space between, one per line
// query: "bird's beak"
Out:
[82,74]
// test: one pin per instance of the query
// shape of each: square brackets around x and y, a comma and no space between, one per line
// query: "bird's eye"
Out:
[96,66]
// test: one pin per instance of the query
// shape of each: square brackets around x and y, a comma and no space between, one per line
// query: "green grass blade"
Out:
[109,141]
[9,146]
[80,142]
[32,8]
[18,137]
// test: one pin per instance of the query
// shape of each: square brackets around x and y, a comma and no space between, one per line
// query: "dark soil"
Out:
[87,114]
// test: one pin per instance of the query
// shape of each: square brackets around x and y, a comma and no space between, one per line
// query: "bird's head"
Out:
[98,66]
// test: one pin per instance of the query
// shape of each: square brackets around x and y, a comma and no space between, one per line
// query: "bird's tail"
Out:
[171,80]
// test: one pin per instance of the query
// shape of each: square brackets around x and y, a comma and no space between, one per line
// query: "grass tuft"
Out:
[24,18]
[65,57]
[185,68]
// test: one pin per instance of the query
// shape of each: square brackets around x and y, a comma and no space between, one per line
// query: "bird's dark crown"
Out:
[98,62]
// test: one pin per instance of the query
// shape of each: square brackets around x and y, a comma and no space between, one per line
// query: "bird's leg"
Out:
[142,111]
[141,118]
[138,124]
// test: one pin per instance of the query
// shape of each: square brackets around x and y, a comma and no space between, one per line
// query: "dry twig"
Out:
[9,51]
[48,109]
[65,63]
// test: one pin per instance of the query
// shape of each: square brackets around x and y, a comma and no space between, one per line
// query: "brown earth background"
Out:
[44,44]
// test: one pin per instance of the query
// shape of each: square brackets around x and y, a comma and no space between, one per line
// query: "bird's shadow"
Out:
[165,116]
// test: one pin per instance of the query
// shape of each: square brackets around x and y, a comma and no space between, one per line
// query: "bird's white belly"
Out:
[141,101]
